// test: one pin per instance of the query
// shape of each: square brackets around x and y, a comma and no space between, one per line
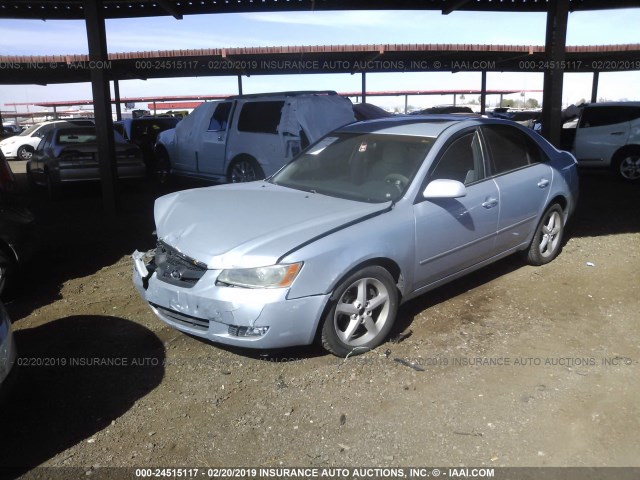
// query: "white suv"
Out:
[608,135]
[23,145]
[248,137]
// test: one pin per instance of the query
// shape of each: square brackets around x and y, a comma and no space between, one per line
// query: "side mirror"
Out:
[443,188]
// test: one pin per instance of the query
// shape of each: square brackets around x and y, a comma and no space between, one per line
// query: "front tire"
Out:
[547,241]
[25,152]
[626,165]
[244,169]
[363,309]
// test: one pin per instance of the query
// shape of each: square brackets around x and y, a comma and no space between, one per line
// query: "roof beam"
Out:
[453,5]
[164,4]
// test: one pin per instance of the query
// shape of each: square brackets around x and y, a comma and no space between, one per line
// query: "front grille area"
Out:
[182,319]
[176,268]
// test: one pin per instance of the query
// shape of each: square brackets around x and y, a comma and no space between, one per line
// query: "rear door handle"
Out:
[617,133]
[544,183]
[490,203]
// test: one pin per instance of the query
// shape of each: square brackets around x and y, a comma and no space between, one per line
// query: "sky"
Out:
[57,37]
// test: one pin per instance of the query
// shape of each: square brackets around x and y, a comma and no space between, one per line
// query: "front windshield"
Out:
[369,167]
[30,130]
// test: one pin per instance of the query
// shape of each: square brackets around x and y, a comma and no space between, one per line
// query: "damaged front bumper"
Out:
[246,317]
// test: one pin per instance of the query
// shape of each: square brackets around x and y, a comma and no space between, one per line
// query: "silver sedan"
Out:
[370,216]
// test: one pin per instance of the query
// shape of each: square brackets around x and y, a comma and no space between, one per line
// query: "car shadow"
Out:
[444,293]
[607,206]
[75,376]
[76,238]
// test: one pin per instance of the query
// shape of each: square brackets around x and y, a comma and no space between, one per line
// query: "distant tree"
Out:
[462,97]
[532,103]
[508,103]
[473,101]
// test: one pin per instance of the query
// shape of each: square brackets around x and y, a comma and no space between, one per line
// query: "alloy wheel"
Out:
[362,312]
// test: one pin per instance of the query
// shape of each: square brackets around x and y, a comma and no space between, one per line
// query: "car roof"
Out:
[424,125]
[281,94]
[148,118]
[612,104]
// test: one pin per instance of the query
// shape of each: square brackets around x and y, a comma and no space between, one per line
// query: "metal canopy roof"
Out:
[315,59]
[94,14]
[73,9]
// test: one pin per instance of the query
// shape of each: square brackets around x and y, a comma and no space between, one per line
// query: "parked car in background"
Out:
[369,111]
[608,135]
[444,109]
[17,231]
[21,146]
[248,137]
[143,132]
[6,132]
[70,155]
[7,350]
[370,216]
[15,129]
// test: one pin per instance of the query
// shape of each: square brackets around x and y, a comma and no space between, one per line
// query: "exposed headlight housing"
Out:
[273,276]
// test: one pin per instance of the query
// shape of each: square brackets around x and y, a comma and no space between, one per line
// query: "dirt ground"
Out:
[515,365]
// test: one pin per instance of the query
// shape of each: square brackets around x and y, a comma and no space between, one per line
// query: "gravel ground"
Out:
[511,366]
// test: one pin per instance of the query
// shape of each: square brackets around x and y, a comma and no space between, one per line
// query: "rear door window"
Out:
[509,148]
[603,116]
[260,117]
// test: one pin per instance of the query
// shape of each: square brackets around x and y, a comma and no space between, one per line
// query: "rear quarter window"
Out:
[260,117]
[603,116]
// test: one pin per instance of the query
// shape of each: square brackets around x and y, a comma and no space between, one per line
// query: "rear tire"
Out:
[361,314]
[244,169]
[547,241]
[626,165]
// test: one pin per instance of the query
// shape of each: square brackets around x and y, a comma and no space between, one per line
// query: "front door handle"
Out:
[617,133]
[544,183]
[490,203]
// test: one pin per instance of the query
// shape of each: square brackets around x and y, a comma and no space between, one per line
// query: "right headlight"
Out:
[273,276]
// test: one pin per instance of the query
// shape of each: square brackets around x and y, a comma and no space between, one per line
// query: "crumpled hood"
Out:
[251,224]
